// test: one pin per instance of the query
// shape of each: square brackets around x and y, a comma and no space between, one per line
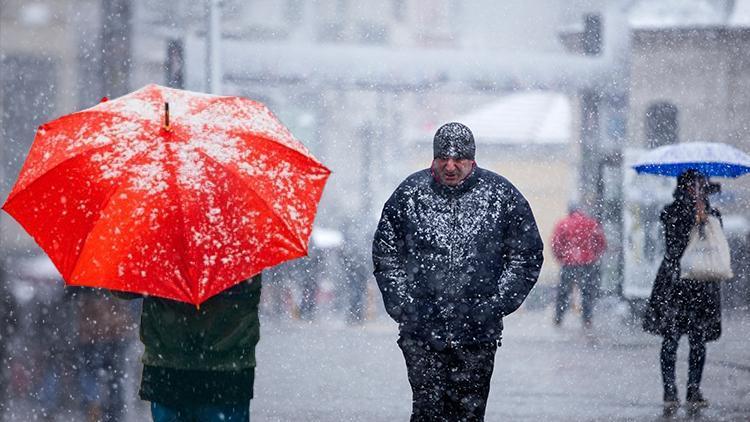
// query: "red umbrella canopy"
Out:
[180,205]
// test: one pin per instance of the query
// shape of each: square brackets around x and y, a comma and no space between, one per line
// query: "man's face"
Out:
[452,171]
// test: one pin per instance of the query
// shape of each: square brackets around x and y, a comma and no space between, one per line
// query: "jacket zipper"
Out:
[454,228]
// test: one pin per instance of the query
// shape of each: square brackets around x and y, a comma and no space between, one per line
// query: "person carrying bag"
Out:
[685,299]
[706,257]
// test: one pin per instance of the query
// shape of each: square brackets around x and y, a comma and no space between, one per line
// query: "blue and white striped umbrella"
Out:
[710,158]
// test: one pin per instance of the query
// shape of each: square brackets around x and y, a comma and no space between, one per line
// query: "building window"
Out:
[661,124]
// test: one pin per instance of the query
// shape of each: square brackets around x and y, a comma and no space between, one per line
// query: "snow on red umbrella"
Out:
[179,201]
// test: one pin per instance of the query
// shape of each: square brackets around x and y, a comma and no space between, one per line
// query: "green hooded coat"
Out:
[220,335]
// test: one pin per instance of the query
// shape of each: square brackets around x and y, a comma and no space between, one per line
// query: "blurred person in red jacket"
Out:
[578,242]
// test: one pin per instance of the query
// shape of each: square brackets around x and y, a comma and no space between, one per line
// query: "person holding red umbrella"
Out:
[181,198]
[199,363]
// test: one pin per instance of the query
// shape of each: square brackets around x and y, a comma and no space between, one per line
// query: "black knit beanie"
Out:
[454,140]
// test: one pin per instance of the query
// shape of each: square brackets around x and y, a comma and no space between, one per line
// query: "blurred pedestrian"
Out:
[308,273]
[199,363]
[457,249]
[356,273]
[9,316]
[102,338]
[681,306]
[578,242]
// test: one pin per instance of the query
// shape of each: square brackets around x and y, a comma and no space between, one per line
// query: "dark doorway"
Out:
[661,124]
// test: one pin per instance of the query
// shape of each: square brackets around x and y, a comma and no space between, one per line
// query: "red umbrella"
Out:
[168,193]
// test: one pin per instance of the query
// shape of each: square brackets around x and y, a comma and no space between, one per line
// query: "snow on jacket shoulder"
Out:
[452,261]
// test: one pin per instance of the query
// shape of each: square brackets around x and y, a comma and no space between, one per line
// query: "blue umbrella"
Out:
[713,159]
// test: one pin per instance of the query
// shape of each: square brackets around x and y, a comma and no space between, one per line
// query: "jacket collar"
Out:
[467,184]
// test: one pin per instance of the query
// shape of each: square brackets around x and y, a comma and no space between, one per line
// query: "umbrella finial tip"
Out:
[166,116]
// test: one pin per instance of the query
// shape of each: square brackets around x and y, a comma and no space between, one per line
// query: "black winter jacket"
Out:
[679,306]
[452,261]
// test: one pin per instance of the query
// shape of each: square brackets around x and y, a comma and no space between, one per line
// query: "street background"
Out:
[328,370]
[541,372]
[562,96]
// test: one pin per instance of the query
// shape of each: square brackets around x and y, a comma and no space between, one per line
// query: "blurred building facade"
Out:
[686,80]
[690,80]
[56,57]
[357,130]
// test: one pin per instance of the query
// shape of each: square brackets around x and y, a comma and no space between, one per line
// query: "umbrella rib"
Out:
[323,170]
[314,163]
[31,184]
[82,152]
[105,205]
[184,266]
[211,101]
[305,157]
[242,134]
[78,114]
[53,168]
[114,191]
[284,224]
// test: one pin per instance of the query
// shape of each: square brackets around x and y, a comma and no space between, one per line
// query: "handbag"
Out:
[706,257]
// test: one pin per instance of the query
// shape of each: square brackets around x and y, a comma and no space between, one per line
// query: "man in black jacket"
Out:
[457,248]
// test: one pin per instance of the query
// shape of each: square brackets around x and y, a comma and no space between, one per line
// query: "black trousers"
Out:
[587,279]
[451,384]
[696,361]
